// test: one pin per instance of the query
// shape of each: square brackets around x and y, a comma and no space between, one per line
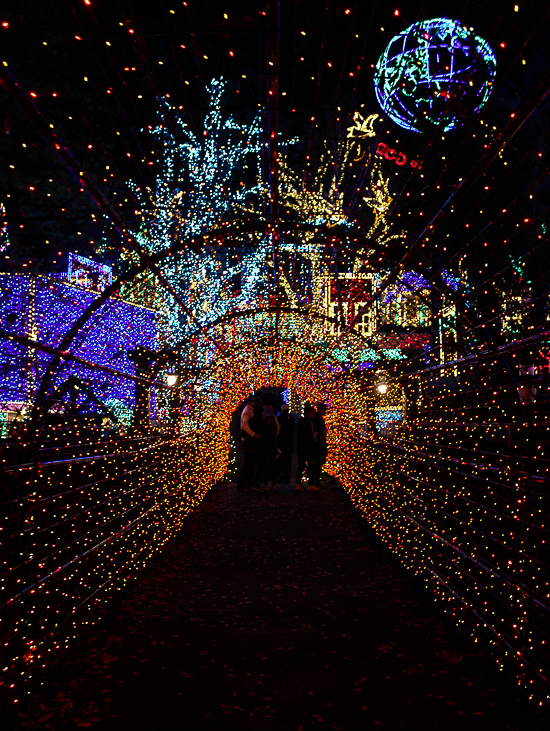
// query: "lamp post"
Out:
[172,380]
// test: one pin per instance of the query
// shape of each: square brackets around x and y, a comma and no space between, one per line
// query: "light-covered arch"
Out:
[312,373]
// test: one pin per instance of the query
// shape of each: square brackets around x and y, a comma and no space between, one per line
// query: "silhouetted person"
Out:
[306,447]
[253,449]
[248,437]
[320,429]
[247,414]
[268,451]
[287,429]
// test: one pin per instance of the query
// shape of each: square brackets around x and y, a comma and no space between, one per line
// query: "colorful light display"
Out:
[326,202]
[435,75]
[449,464]
[88,274]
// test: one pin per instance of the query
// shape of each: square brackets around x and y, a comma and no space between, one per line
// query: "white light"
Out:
[382,388]
[171,379]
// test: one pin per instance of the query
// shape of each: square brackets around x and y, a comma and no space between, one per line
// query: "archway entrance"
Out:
[307,373]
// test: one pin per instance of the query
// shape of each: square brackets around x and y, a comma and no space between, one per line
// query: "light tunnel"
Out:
[168,253]
[415,457]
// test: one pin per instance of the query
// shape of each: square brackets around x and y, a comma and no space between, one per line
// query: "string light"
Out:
[4,232]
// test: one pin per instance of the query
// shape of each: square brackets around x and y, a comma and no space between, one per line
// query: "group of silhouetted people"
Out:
[268,440]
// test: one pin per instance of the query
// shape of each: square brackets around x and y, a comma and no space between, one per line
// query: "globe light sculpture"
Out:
[434,75]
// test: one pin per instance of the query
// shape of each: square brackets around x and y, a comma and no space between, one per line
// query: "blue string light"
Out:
[43,309]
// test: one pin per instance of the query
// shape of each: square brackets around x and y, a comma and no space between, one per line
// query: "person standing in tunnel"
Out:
[254,450]
[320,429]
[268,452]
[248,413]
[248,436]
[251,450]
[286,444]
[306,448]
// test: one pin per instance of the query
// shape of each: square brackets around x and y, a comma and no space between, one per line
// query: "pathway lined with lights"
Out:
[277,612]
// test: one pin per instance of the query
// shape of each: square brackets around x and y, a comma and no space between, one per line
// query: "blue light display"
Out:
[14,359]
[434,75]
[43,309]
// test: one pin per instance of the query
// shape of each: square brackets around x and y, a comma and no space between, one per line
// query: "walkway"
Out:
[276,612]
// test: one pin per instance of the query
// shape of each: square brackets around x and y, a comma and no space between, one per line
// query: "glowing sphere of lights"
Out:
[434,75]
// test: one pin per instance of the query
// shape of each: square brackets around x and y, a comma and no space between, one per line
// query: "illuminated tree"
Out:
[201,185]
[325,202]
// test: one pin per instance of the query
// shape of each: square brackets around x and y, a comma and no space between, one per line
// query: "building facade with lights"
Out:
[43,308]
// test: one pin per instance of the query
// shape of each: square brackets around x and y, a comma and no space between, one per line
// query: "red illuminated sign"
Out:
[399,158]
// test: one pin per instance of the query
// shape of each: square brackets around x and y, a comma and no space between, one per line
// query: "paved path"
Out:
[280,612]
